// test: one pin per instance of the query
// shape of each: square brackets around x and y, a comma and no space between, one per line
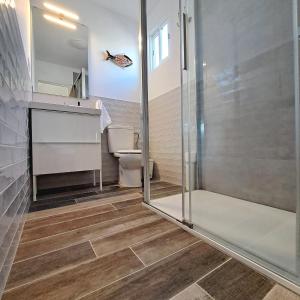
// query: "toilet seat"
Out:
[127,152]
[130,152]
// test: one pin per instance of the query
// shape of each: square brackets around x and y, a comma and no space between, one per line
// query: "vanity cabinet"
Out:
[64,139]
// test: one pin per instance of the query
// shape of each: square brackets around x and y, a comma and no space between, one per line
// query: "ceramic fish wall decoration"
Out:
[120,60]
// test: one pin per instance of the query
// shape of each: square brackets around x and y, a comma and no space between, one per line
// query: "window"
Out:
[159,46]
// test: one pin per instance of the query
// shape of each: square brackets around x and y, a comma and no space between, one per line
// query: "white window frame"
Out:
[158,32]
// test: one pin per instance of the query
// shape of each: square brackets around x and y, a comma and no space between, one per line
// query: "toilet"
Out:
[121,145]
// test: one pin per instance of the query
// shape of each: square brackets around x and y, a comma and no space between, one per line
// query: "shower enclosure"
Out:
[224,132]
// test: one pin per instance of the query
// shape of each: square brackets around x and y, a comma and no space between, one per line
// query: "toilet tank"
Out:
[120,138]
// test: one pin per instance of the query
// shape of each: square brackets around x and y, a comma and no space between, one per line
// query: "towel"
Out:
[105,118]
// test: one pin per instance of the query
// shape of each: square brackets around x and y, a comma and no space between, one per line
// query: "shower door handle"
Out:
[184,40]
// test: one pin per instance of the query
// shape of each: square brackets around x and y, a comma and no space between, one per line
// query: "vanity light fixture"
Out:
[61,12]
[60,21]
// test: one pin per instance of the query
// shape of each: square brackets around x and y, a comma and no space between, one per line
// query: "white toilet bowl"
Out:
[130,163]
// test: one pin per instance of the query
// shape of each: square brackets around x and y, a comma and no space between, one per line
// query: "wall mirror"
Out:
[60,64]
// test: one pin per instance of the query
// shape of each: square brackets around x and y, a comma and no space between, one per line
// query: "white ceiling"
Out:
[53,43]
[128,8]
[152,3]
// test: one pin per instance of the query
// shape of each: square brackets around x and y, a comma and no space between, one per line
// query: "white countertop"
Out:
[64,108]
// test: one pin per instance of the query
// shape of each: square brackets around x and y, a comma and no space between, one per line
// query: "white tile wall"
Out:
[165,136]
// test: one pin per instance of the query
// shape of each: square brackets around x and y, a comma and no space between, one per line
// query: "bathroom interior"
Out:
[149,149]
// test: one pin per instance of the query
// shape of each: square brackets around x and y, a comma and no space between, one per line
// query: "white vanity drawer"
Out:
[62,158]
[64,127]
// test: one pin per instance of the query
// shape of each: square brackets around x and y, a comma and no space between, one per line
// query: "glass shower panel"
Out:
[164,89]
[242,155]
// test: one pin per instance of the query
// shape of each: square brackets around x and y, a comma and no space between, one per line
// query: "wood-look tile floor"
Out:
[108,246]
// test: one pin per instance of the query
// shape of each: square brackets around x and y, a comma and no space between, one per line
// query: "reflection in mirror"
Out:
[60,55]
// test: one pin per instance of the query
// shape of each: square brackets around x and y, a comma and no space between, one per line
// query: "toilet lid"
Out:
[130,152]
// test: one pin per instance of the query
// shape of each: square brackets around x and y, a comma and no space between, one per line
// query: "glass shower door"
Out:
[164,106]
[188,106]
[241,127]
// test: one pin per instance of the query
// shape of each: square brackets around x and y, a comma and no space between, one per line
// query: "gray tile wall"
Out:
[121,112]
[15,188]
[249,144]
[165,136]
